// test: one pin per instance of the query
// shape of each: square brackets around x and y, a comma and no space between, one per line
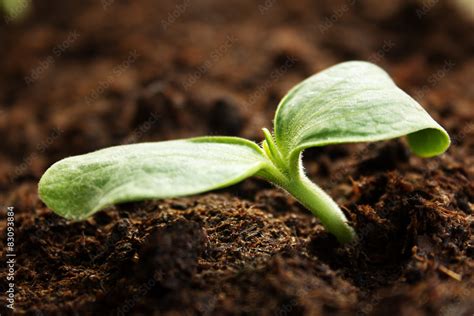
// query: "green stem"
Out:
[322,206]
[291,177]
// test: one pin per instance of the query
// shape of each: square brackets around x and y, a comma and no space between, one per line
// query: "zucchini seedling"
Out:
[350,102]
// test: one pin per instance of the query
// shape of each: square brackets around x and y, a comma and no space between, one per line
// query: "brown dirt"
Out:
[220,68]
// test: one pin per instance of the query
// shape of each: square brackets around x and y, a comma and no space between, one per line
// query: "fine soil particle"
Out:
[78,76]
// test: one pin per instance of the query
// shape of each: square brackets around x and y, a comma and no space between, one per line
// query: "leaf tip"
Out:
[429,142]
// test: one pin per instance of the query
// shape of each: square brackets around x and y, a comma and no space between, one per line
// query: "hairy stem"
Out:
[311,196]
[322,206]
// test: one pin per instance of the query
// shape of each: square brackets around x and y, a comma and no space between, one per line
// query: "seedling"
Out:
[347,103]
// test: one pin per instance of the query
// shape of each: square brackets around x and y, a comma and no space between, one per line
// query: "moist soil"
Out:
[81,75]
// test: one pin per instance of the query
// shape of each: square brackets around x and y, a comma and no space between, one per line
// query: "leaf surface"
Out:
[354,102]
[79,186]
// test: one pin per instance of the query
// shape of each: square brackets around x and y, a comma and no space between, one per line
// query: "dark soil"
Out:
[127,72]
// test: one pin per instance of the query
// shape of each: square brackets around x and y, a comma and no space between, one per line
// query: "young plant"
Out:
[350,102]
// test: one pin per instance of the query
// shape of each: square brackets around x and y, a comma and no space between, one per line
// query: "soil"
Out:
[81,75]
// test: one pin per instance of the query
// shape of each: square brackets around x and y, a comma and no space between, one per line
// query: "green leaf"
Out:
[79,186]
[15,9]
[353,102]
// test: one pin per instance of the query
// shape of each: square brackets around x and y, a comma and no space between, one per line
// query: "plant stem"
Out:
[291,177]
[314,199]
[322,206]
